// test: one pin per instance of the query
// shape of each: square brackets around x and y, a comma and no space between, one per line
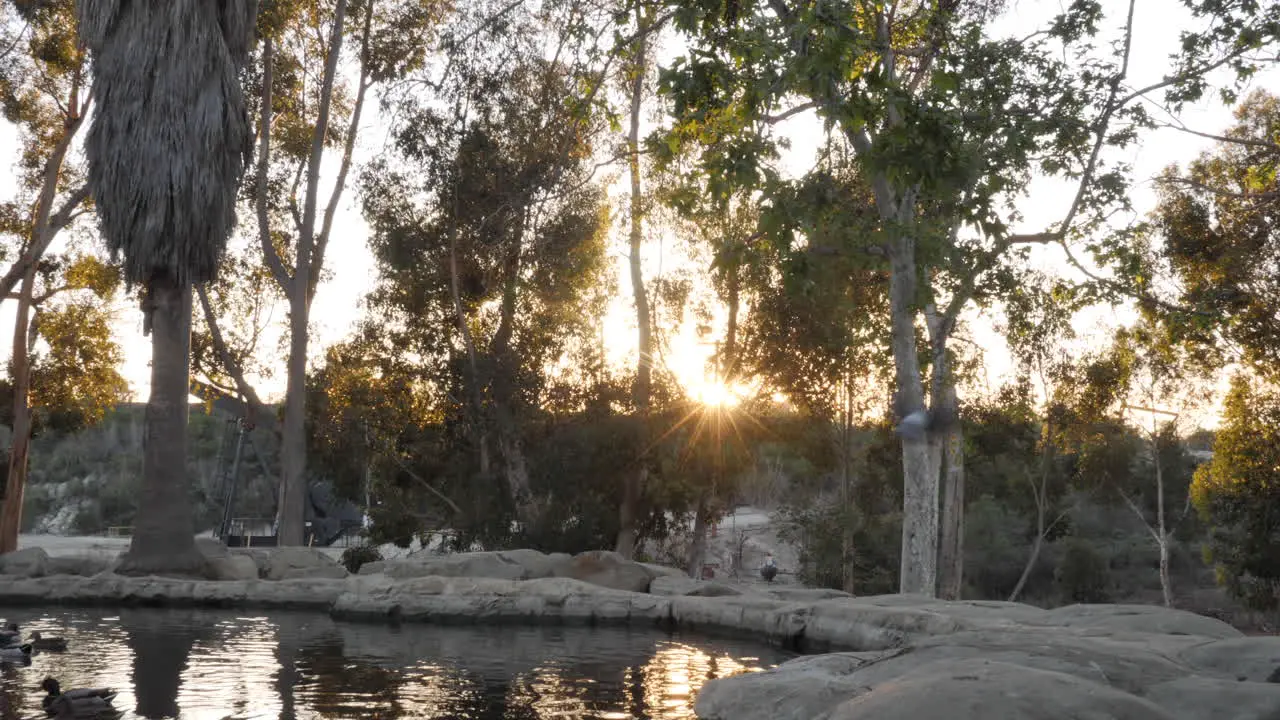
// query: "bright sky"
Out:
[337,307]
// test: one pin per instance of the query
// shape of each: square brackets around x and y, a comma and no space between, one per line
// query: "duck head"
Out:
[51,686]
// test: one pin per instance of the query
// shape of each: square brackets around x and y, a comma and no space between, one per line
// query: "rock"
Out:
[27,562]
[658,571]
[1248,658]
[488,600]
[79,565]
[607,569]
[987,690]
[684,585]
[504,565]
[1180,676]
[223,564]
[211,548]
[1203,698]
[1140,618]
[806,594]
[802,689]
[291,563]
[233,567]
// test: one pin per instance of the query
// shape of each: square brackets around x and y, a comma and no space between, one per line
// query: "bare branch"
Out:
[1260,196]
[34,252]
[348,152]
[1138,511]
[17,38]
[403,466]
[1226,139]
[272,258]
[792,112]
[230,365]
[299,294]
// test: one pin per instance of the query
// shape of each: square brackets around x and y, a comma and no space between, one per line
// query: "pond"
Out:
[210,665]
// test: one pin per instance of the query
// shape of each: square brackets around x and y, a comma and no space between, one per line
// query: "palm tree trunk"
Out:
[164,529]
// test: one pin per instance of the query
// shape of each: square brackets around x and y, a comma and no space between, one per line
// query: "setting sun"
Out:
[716,394]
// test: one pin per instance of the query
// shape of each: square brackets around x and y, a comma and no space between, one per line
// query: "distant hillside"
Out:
[87,481]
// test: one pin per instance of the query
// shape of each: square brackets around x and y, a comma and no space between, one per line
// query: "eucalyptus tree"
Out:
[1217,223]
[489,228]
[43,73]
[311,80]
[166,152]
[948,124]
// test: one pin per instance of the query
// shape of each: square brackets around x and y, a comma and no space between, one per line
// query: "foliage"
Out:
[357,555]
[1217,222]
[1237,491]
[1083,575]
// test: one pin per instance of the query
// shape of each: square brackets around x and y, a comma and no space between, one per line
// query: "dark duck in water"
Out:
[47,644]
[77,702]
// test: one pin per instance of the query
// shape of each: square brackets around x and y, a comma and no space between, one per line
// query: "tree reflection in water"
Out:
[161,642]
[215,664]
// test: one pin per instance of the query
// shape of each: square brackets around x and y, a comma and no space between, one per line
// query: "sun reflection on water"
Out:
[210,665]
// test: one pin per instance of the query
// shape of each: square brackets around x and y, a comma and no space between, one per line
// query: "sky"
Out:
[338,305]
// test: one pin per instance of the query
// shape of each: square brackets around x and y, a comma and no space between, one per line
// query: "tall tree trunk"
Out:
[848,582]
[698,545]
[504,364]
[20,371]
[1162,538]
[291,510]
[164,529]
[918,572]
[951,541]
[633,481]
[291,513]
[473,363]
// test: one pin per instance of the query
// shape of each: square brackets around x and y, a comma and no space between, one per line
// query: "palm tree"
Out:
[166,152]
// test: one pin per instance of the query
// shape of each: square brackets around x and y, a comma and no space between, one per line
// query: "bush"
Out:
[1083,575]
[357,555]
[996,549]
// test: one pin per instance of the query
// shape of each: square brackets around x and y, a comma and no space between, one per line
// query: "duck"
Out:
[48,644]
[10,633]
[77,702]
[16,653]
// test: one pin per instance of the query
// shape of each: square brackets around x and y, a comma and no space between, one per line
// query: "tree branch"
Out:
[299,295]
[1248,142]
[1172,179]
[231,366]
[1138,511]
[275,265]
[403,466]
[33,253]
[348,151]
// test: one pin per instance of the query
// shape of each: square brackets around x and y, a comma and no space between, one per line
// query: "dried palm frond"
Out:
[166,150]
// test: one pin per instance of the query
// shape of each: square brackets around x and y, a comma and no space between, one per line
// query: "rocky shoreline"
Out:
[884,657]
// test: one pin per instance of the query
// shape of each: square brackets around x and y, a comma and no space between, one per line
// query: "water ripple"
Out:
[214,665]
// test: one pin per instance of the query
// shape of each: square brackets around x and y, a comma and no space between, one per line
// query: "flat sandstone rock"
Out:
[899,656]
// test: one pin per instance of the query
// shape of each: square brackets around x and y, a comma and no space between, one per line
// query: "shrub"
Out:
[1083,575]
[357,555]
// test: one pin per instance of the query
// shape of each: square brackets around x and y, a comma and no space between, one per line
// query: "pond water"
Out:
[210,665]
